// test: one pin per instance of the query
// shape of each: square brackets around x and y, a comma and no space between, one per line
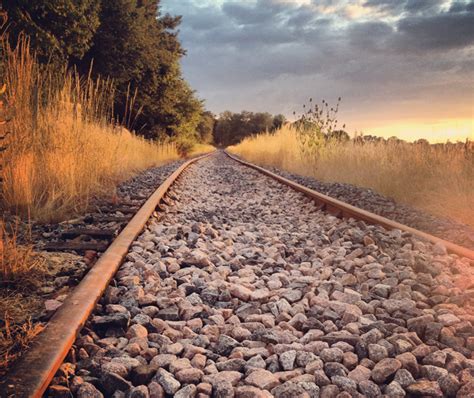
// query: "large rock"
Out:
[120,320]
[167,381]
[186,392]
[250,392]
[189,375]
[425,388]
[262,379]
[113,382]
[384,369]
[232,377]
[87,390]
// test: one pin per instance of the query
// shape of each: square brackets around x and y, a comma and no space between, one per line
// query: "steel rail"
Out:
[31,375]
[342,209]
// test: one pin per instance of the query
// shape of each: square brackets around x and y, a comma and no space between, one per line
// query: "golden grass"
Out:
[439,179]
[14,339]
[63,148]
[16,261]
[200,149]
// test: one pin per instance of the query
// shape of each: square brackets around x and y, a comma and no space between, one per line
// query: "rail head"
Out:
[32,373]
[347,210]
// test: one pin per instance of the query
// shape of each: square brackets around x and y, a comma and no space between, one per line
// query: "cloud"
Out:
[441,31]
[372,52]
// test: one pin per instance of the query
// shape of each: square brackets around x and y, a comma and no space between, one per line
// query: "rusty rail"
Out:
[31,375]
[346,210]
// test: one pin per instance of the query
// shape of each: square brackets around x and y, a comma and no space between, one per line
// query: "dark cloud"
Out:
[390,6]
[423,5]
[239,52]
[443,31]
[246,14]
[370,36]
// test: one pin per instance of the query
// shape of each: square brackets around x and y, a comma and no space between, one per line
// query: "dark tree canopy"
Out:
[129,41]
[232,128]
[59,30]
[205,128]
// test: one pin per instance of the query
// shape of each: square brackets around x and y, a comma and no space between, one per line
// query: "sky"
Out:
[402,67]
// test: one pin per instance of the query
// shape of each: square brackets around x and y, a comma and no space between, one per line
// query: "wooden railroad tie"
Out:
[96,233]
[80,247]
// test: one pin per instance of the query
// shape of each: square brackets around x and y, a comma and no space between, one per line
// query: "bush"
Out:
[184,146]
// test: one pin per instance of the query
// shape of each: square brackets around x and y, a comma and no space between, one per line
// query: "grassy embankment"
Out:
[63,148]
[438,179]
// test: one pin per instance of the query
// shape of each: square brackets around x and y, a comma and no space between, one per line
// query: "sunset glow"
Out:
[403,68]
[434,131]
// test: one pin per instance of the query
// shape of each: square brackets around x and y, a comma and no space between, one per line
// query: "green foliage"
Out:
[59,30]
[139,49]
[232,128]
[205,127]
[128,41]
[184,145]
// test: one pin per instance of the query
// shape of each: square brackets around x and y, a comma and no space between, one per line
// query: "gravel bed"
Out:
[367,199]
[241,288]
[37,297]
[56,288]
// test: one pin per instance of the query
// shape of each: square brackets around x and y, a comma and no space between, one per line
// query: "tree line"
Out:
[128,41]
[136,46]
[231,128]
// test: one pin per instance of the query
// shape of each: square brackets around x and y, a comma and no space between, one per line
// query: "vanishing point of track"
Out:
[32,374]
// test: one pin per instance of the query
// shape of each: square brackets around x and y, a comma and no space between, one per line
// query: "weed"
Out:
[14,339]
[16,261]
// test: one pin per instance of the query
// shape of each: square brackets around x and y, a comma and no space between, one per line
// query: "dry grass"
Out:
[62,148]
[21,271]
[16,261]
[14,339]
[200,149]
[435,178]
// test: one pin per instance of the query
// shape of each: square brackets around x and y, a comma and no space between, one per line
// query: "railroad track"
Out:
[254,286]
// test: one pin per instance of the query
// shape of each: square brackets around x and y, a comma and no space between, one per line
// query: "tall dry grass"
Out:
[201,149]
[63,147]
[439,179]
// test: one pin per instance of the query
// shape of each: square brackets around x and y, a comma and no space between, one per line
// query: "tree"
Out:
[139,49]
[338,135]
[59,30]
[278,122]
[205,127]
[128,41]
[231,128]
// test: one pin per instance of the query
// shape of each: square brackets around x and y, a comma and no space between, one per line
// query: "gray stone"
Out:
[113,382]
[369,389]
[404,378]
[186,392]
[287,360]
[331,355]
[450,385]
[87,390]
[394,390]
[167,381]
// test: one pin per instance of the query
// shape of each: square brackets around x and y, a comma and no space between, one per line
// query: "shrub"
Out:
[184,146]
